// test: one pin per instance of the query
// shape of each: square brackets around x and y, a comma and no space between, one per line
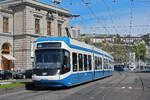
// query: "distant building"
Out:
[75,32]
[132,60]
[22,22]
[124,40]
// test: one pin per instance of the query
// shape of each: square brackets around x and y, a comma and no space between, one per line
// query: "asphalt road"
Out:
[120,86]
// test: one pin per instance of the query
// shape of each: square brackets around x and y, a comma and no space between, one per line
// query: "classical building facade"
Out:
[21,23]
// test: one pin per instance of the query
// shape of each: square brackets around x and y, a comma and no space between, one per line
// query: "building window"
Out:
[5,24]
[49,28]
[5,48]
[37,26]
[59,29]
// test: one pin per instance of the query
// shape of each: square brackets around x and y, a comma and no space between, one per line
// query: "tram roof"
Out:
[74,43]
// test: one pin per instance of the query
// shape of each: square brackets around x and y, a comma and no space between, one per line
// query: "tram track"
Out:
[104,92]
[144,85]
[111,88]
[95,90]
[103,89]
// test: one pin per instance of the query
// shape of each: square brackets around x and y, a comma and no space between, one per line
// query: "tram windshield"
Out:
[51,61]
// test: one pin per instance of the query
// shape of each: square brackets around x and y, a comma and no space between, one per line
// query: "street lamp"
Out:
[56,1]
[75,16]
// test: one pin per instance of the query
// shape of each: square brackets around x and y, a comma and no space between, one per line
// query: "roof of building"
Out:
[8,3]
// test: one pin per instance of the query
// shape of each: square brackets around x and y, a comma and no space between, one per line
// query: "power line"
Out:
[92,12]
[133,26]
[111,18]
[147,21]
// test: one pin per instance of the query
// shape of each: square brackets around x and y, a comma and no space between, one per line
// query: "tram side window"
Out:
[105,64]
[66,62]
[110,65]
[80,62]
[85,62]
[89,62]
[74,61]
[100,60]
[99,63]
[96,63]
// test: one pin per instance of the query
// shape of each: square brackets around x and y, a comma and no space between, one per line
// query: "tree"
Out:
[118,51]
[140,51]
[120,54]
[99,45]
[117,39]
[87,40]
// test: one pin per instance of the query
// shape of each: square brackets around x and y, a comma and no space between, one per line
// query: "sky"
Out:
[109,17]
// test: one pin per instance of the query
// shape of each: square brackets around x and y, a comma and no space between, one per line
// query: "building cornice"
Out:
[6,34]
[33,3]
[33,35]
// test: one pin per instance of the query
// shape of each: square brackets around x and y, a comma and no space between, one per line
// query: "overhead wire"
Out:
[147,21]
[96,17]
[110,15]
[81,18]
[124,26]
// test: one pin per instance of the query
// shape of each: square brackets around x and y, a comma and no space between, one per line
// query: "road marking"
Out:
[91,98]
[130,87]
[123,87]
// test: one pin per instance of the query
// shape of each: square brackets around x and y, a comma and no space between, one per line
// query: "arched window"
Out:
[5,48]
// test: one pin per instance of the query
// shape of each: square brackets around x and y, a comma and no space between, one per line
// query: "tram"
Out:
[61,61]
[120,67]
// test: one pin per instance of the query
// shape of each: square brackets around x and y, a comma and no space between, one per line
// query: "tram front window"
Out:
[49,62]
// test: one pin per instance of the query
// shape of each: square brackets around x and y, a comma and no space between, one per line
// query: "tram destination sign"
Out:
[49,45]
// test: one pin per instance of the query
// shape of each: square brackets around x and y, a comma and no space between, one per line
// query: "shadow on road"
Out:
[30,86]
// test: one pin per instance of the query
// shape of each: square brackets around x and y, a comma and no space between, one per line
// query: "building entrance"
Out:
[6,58]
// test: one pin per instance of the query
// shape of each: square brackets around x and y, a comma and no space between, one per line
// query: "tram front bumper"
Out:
[47,83]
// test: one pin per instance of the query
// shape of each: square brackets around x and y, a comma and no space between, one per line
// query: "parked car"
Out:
[18,75]
[23,75]
[28,73]
[5,75]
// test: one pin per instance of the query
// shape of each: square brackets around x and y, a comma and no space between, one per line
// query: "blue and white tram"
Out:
[61,61]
